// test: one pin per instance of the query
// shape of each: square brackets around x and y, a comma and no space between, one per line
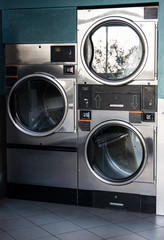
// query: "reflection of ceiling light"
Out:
[122,54]
[126,37]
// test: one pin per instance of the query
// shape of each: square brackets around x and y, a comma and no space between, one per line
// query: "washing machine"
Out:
[117,148]
[117,46]
[41,120]
[117,107]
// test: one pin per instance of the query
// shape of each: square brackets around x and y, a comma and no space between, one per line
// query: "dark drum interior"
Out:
[115,153]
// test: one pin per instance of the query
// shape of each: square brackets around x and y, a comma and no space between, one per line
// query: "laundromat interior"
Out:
[82,112]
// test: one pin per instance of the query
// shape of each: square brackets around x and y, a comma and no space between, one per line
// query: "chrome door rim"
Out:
[132,128]
[54,81]
[140,33]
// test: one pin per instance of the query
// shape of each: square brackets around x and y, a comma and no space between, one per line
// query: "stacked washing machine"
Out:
[117,107]
[41,121]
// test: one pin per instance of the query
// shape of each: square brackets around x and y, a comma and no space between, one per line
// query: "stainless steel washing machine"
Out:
[117,109]
[41,115]
[117,148]
[117,46]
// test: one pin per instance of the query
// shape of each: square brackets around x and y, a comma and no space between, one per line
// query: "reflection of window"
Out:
[118,153]
[37,105]
[117,51]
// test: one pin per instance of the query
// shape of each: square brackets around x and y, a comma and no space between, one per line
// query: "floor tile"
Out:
[17,203]
[142,215]
[48,238]
[15,223]
[72,214]
[132,236]
[155,234]
[29,233]
[55,207]
[5,236]
[138,225]
[31,211]
[30,220]
[119,216]
[97,211]
[45,219]
[109,231]
[61,227]
[159,220]
[6,213]
[78,235]
[89,221]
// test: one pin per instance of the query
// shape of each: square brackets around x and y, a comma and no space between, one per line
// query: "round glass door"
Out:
[116,152]
[114,51]
[37,105]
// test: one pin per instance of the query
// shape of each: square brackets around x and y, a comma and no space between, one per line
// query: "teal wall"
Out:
[55,21]
[2,85]
[39,25]
[11,4]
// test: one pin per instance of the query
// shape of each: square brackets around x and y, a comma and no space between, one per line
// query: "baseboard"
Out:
[114,200]
[42,193]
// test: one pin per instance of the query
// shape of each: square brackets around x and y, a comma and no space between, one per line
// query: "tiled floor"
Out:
[27,220]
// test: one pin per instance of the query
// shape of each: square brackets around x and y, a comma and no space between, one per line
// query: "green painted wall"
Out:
[39,25]
[2,85]
[11,4]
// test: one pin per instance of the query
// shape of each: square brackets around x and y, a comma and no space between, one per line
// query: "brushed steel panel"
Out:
[146,182]
[24,54]
[160,160]
[41,167]
[86,18]
[69,125]
[39,55]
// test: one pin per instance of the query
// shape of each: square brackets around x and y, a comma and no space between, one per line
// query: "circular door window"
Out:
[37,105]
[114,51]
[116,152]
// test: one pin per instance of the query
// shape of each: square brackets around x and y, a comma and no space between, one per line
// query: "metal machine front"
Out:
[38,106]
[117,46]
[41,117]
[41,92]
[117,138]
[116,152]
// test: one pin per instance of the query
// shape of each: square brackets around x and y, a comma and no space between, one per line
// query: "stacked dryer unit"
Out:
[117,107]
[41,121]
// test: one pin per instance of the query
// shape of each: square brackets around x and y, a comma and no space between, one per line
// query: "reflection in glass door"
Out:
[115,50]
[37,105]
[116,152]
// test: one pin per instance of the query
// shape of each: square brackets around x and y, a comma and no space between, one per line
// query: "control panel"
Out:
[58,59]
[61,53]
[139,101]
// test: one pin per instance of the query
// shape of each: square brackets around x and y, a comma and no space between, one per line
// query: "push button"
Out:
[85,115]
[148,117]
[69,70]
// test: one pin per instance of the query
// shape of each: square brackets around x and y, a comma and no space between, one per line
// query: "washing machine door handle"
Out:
[89,54]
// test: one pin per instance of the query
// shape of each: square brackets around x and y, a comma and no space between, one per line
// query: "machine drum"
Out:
[114,51]
[116,153]
[37,105]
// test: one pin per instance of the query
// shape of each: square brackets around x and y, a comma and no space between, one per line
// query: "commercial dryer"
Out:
[41,116]
[117,107]
[117,46]
[117,148]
